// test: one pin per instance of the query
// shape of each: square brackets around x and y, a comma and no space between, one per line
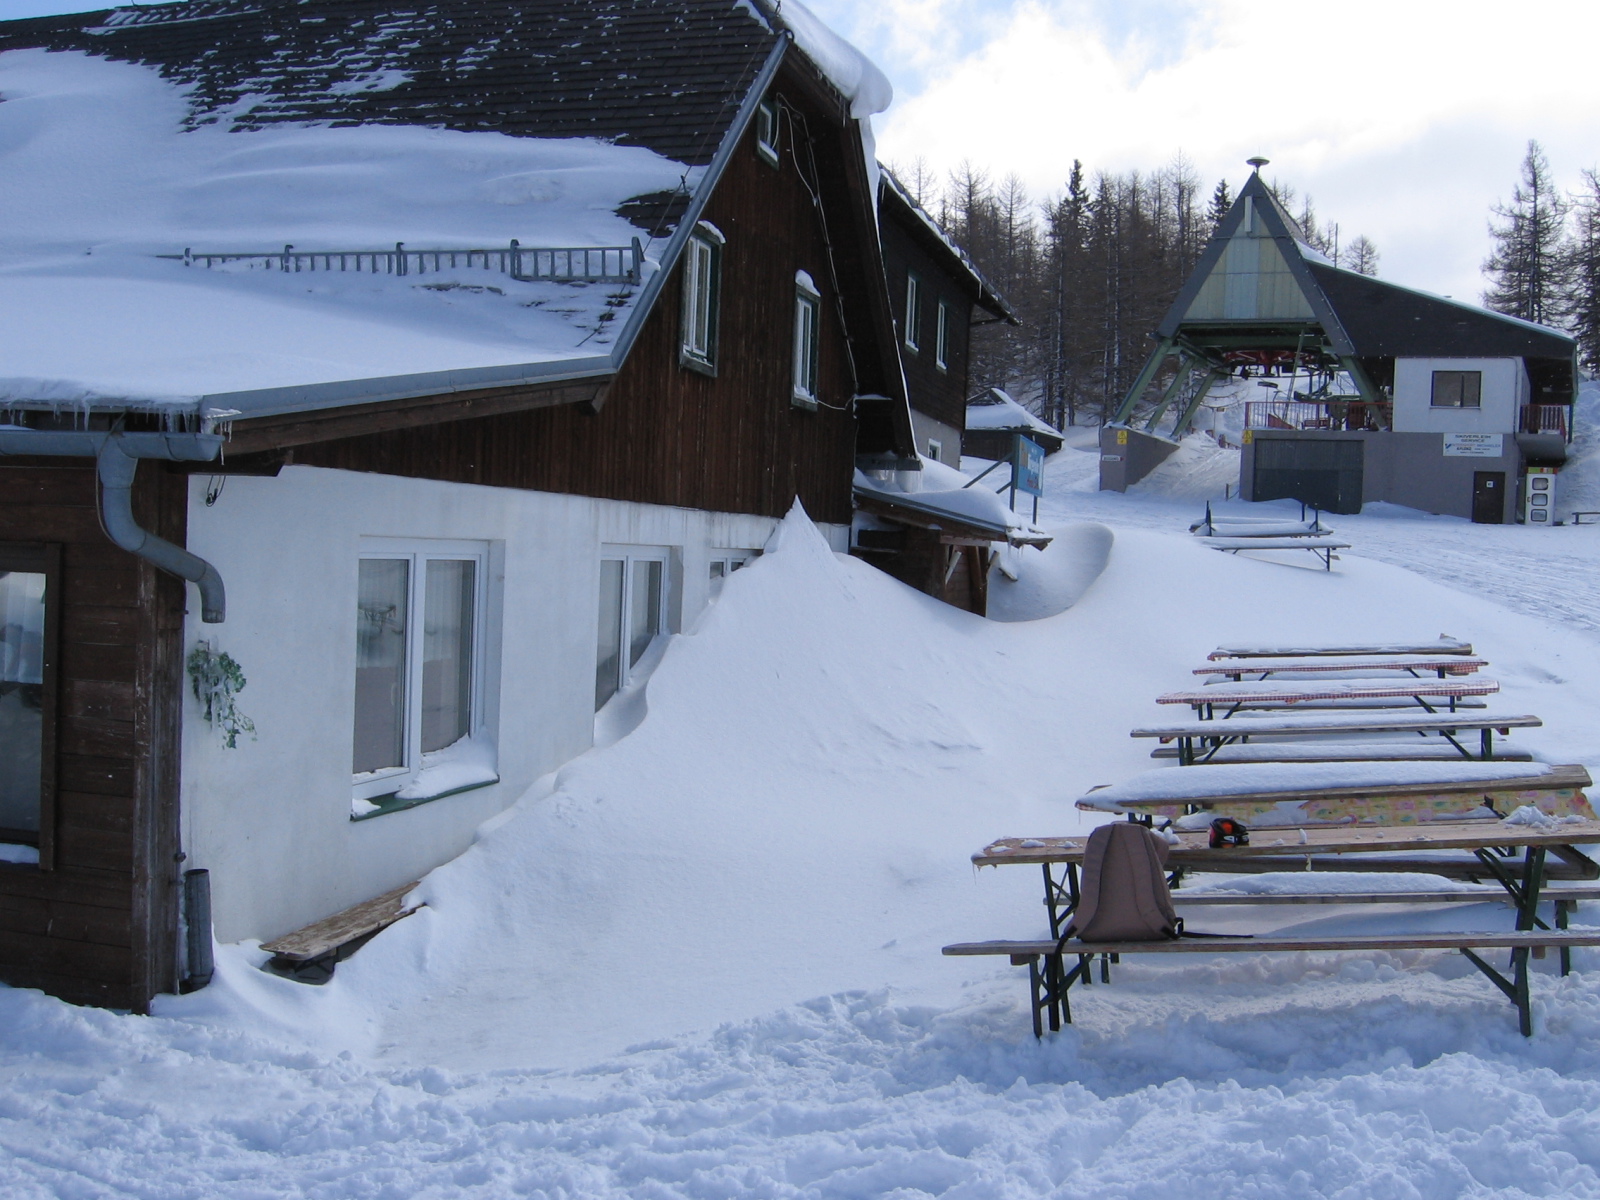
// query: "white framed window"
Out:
[725,563]
[633,613]
[807,322]
[941,338]
[702,298]
[913,330]
[767,132]
[421,650]
[935,450]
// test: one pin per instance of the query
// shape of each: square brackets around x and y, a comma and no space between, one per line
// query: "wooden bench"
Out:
[1445,645]
[1300,694]
[1329,752]
[1438,664]
[1321,547]
[310,954]
[1050,982]
[1202,741]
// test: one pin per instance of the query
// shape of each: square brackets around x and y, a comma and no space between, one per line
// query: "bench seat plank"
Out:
[1282,752]
[1445,645]
[1488,940]
[327,935]
[1490,895]
[1451,664]
[1304,724]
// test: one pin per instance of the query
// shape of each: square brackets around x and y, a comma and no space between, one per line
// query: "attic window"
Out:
[913,329]
[767,132]
[807,311]
[702,294]
[1457,389]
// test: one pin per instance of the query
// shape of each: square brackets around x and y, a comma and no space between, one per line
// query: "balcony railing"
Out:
[562,264]
[1345,415]
[1544,418]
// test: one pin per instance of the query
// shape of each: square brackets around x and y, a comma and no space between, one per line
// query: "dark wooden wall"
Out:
[101,927]
[667,434]
[942,395]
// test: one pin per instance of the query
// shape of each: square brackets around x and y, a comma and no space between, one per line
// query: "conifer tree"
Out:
[1527,269]
[1221,202]
[1582,308]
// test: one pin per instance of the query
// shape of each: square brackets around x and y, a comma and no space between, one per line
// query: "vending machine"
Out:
[1539,496]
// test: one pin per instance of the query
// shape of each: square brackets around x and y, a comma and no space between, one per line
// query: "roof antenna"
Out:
[1258,162]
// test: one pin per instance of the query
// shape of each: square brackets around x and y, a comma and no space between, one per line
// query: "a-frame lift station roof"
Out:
[1262,298]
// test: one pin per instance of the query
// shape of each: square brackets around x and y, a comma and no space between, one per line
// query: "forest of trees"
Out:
[1545,264]
[1091,271]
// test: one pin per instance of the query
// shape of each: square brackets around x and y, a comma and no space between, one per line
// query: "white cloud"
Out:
[1405,119]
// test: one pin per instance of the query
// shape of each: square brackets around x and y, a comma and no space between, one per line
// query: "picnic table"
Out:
[1472,850]
[1200,741]
[1321,547]
[1282,692]
[1445,645]
[1385,793]
[1440,664]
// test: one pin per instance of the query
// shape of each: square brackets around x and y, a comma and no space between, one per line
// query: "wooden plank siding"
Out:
[941,394]
[101,926]
[667,434]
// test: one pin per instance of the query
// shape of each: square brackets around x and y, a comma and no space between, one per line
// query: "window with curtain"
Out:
[702,294]
[419,660]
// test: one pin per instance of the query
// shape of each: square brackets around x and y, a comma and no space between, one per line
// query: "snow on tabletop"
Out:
[1453,663]
[1237,779]
[1442,646]
[1221,691]
[98,176]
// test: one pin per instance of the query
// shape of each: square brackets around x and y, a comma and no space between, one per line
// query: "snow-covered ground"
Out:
[704,960]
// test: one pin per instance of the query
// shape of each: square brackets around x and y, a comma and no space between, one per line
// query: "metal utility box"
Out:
[1539,496]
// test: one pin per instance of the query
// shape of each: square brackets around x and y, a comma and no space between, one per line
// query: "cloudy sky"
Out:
[1404,119]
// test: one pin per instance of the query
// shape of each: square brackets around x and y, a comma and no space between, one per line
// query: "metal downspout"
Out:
[117,458]
[117,472]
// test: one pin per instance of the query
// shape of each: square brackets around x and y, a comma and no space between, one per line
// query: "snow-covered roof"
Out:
[235,127]
[942,494]
[995,409]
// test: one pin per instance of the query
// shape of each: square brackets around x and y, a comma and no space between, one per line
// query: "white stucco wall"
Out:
[1505,391]
[271,819]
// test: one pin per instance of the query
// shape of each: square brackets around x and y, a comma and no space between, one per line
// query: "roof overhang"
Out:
[953,528]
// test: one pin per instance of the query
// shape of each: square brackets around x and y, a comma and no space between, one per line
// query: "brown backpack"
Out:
[1124,895]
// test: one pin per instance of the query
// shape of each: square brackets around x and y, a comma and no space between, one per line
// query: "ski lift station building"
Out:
[1387,393]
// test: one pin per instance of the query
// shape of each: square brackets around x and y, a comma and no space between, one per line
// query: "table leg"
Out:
[1563,907]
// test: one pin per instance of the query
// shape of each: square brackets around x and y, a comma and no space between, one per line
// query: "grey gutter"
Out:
[117,456]
[697,202]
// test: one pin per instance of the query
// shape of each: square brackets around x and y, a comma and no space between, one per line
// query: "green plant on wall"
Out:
[217,679]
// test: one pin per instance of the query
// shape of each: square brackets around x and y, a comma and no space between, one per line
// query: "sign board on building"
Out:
[1473,445]
[1028,476]
[1111,458]
[1122,437]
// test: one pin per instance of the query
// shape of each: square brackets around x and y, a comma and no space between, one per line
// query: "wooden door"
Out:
[1489,497]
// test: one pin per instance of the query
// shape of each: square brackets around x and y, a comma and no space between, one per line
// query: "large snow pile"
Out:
[792,819]
[98,176]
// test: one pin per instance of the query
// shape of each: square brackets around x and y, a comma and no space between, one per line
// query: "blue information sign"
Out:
[1028,471]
